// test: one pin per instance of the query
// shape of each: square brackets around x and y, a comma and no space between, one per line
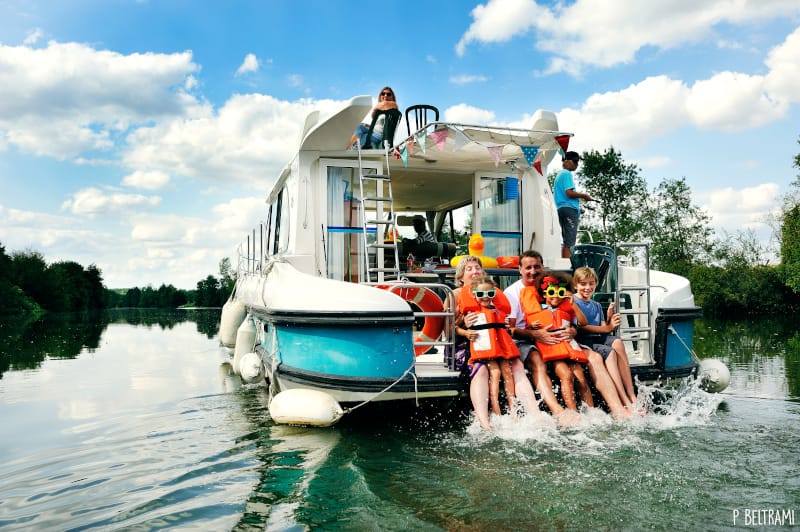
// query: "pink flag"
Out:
[496,152]
[440,137]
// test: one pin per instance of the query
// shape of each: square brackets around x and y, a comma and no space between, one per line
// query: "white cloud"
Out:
[33,37]
[247,140]
[467,78]
[577,35]
[147,180]
[467,114]
[250,64]
[295,80]
[92,201]
[69,98]
[746,208]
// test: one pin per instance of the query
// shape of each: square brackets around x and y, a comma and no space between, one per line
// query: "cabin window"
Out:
[501,225]
[344,234]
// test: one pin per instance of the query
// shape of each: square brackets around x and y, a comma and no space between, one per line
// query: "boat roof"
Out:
[433,169]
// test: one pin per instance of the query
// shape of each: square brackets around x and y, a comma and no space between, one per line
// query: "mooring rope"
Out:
[401,377]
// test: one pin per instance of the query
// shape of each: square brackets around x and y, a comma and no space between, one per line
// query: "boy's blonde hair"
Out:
[582,274]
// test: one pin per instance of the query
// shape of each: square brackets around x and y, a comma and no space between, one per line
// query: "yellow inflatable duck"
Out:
[476,248]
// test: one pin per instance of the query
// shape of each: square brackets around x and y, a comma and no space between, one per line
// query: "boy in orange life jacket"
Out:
[492,345]
[566,356]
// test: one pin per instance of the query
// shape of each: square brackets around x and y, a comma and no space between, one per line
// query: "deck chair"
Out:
[389,125]
[421,116]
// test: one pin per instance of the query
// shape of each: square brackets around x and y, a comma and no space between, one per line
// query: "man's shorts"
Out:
[568,219]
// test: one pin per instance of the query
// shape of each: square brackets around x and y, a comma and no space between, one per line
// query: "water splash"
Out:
[659,408]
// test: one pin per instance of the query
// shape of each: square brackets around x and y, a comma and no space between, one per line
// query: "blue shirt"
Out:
[563,183]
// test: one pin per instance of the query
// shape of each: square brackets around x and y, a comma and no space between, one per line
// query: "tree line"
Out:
[30,286]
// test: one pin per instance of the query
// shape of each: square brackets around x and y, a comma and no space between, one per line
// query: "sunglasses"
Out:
[555,291]
[387,94]
[485,293]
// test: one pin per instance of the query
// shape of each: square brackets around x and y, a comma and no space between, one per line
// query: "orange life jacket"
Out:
[550,319]
[500,344]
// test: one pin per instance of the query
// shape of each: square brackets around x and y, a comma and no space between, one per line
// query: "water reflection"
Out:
[763,354]
[25,343]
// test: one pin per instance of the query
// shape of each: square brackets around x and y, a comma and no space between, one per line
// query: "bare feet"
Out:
[567,418]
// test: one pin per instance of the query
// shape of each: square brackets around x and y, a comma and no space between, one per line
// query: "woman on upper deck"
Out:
[386,100]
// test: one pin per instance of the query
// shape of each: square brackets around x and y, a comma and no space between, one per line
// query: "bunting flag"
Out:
[530,153]
[495,152]
[409,144]
[460,140]
[404,156]
[563,141]
[420,138]
[440,137]
[538,165]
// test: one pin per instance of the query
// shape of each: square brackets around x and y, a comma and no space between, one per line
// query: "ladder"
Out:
[377,221]
[636,324]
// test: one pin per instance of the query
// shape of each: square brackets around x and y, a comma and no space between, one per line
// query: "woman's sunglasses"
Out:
[485,293]
[387,94]
[555,291]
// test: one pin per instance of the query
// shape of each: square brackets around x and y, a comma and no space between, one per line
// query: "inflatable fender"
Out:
[245,340]
[251,368]
[233,313]
[714,376]
[300,406]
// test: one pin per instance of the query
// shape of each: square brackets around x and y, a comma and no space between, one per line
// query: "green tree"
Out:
[679,232]
[619,190]
[227,276]
[790,233]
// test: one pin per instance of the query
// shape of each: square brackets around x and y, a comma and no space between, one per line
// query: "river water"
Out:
[129,420]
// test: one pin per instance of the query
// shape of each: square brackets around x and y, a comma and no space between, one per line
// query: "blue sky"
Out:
[142,135]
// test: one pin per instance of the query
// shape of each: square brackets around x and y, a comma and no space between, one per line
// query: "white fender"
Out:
[714,375]
[233,312]
[245,340]
[251,368]
[300,406]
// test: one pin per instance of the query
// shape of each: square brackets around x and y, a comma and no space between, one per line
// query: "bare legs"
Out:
[479,394]
[604,384]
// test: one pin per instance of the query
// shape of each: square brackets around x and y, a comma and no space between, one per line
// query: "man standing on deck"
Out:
[568,202]
[530,264]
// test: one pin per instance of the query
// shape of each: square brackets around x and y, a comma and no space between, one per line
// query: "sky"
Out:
[142,136]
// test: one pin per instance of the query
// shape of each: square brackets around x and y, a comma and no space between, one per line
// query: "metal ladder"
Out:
[641,329]
[378,217]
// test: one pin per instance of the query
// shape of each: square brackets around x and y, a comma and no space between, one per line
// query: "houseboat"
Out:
[336,305]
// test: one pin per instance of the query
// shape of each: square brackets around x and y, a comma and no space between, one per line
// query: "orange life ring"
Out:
[427,301]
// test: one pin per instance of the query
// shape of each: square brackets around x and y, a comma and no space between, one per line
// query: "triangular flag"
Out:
[563,141]
[420,138]
[495,152]
[459,140]
[404,156]
[440,137]
[530,153]
[538,165]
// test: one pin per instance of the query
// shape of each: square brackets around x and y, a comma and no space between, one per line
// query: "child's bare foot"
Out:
[567,418]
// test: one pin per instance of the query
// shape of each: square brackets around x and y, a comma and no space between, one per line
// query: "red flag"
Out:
[563,141]
[538,165]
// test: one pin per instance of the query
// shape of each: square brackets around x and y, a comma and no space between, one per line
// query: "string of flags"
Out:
[532,154]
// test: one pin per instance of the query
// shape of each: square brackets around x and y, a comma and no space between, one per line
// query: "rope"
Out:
[401,377]
[678,336]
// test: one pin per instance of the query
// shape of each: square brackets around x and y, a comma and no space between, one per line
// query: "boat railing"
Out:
[446,338]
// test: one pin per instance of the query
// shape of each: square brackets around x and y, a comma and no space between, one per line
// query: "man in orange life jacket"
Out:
[530,264]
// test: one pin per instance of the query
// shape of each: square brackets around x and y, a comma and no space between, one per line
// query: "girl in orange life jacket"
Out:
[492,345]
[566,357]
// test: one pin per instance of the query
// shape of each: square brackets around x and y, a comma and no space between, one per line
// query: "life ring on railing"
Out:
[427,301]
